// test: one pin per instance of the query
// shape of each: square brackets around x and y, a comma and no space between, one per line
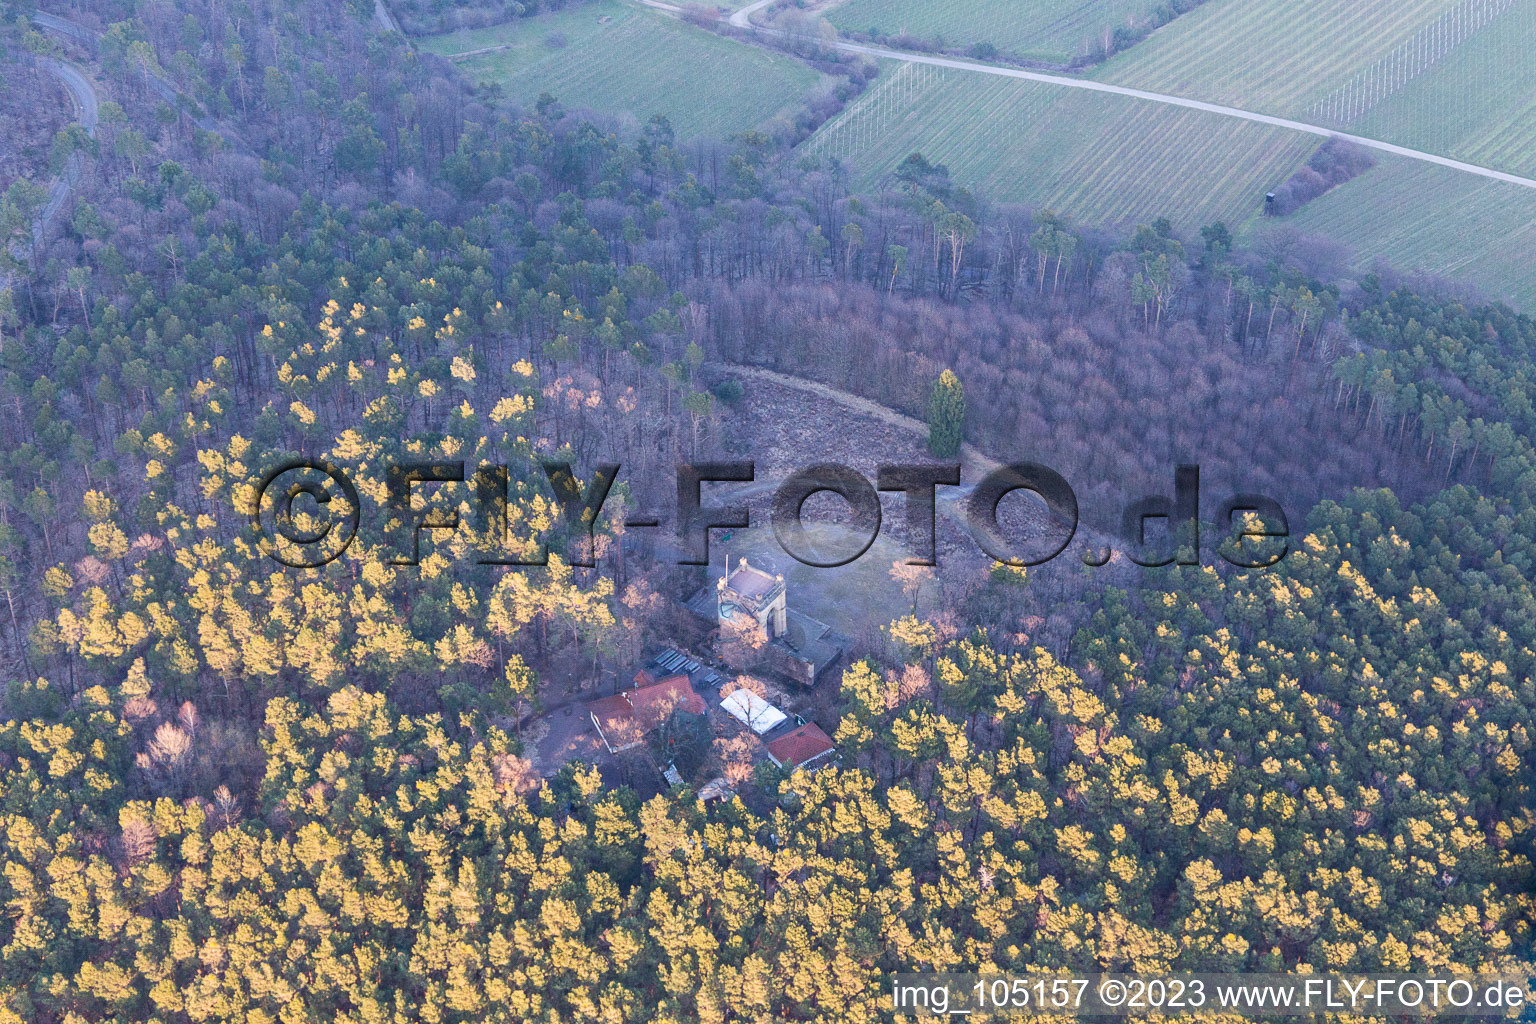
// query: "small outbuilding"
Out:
[716,789]
[752,711]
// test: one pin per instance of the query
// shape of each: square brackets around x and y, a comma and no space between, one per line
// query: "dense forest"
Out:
[230,790]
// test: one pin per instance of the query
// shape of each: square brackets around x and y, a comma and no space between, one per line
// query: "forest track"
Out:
[743,17]
[385,19]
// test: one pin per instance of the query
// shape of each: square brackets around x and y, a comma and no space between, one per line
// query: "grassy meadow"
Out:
[621,58]
[1421,217]
[1054,30]
[1026,142]
[1271,56]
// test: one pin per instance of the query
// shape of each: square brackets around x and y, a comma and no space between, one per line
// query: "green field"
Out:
[1272,56]
[1452,77]
[1116,160]
[1477,104]
[1417,216]
[1055,30]
[1026,142]
[1447,76]
[620,58]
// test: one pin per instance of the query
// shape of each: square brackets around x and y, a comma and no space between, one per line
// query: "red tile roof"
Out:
[616,718]
[673,693]
[645,707]
[806,743]
[611,707]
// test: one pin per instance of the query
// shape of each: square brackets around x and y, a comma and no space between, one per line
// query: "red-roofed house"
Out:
[623,720]
[806,747]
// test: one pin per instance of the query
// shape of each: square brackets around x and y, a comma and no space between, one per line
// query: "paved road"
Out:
[742,19]
[54,23]
[86,113]
[87,109]
[162,87]
[1180,101]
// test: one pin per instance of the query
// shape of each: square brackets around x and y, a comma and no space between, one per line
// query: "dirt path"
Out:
[974,464]
[743,17]
[385,19]
[475,53]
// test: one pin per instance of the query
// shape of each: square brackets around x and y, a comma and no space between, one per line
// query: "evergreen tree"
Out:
[946,415]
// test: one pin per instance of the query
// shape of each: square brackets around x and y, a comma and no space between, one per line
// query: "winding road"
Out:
[54,23]
[87,112]
[87,104]
[162,87]
[87,108]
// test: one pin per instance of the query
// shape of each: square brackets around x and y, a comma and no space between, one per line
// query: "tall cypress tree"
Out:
[946,415]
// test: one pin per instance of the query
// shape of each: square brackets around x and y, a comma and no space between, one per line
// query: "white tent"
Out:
[752,711]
